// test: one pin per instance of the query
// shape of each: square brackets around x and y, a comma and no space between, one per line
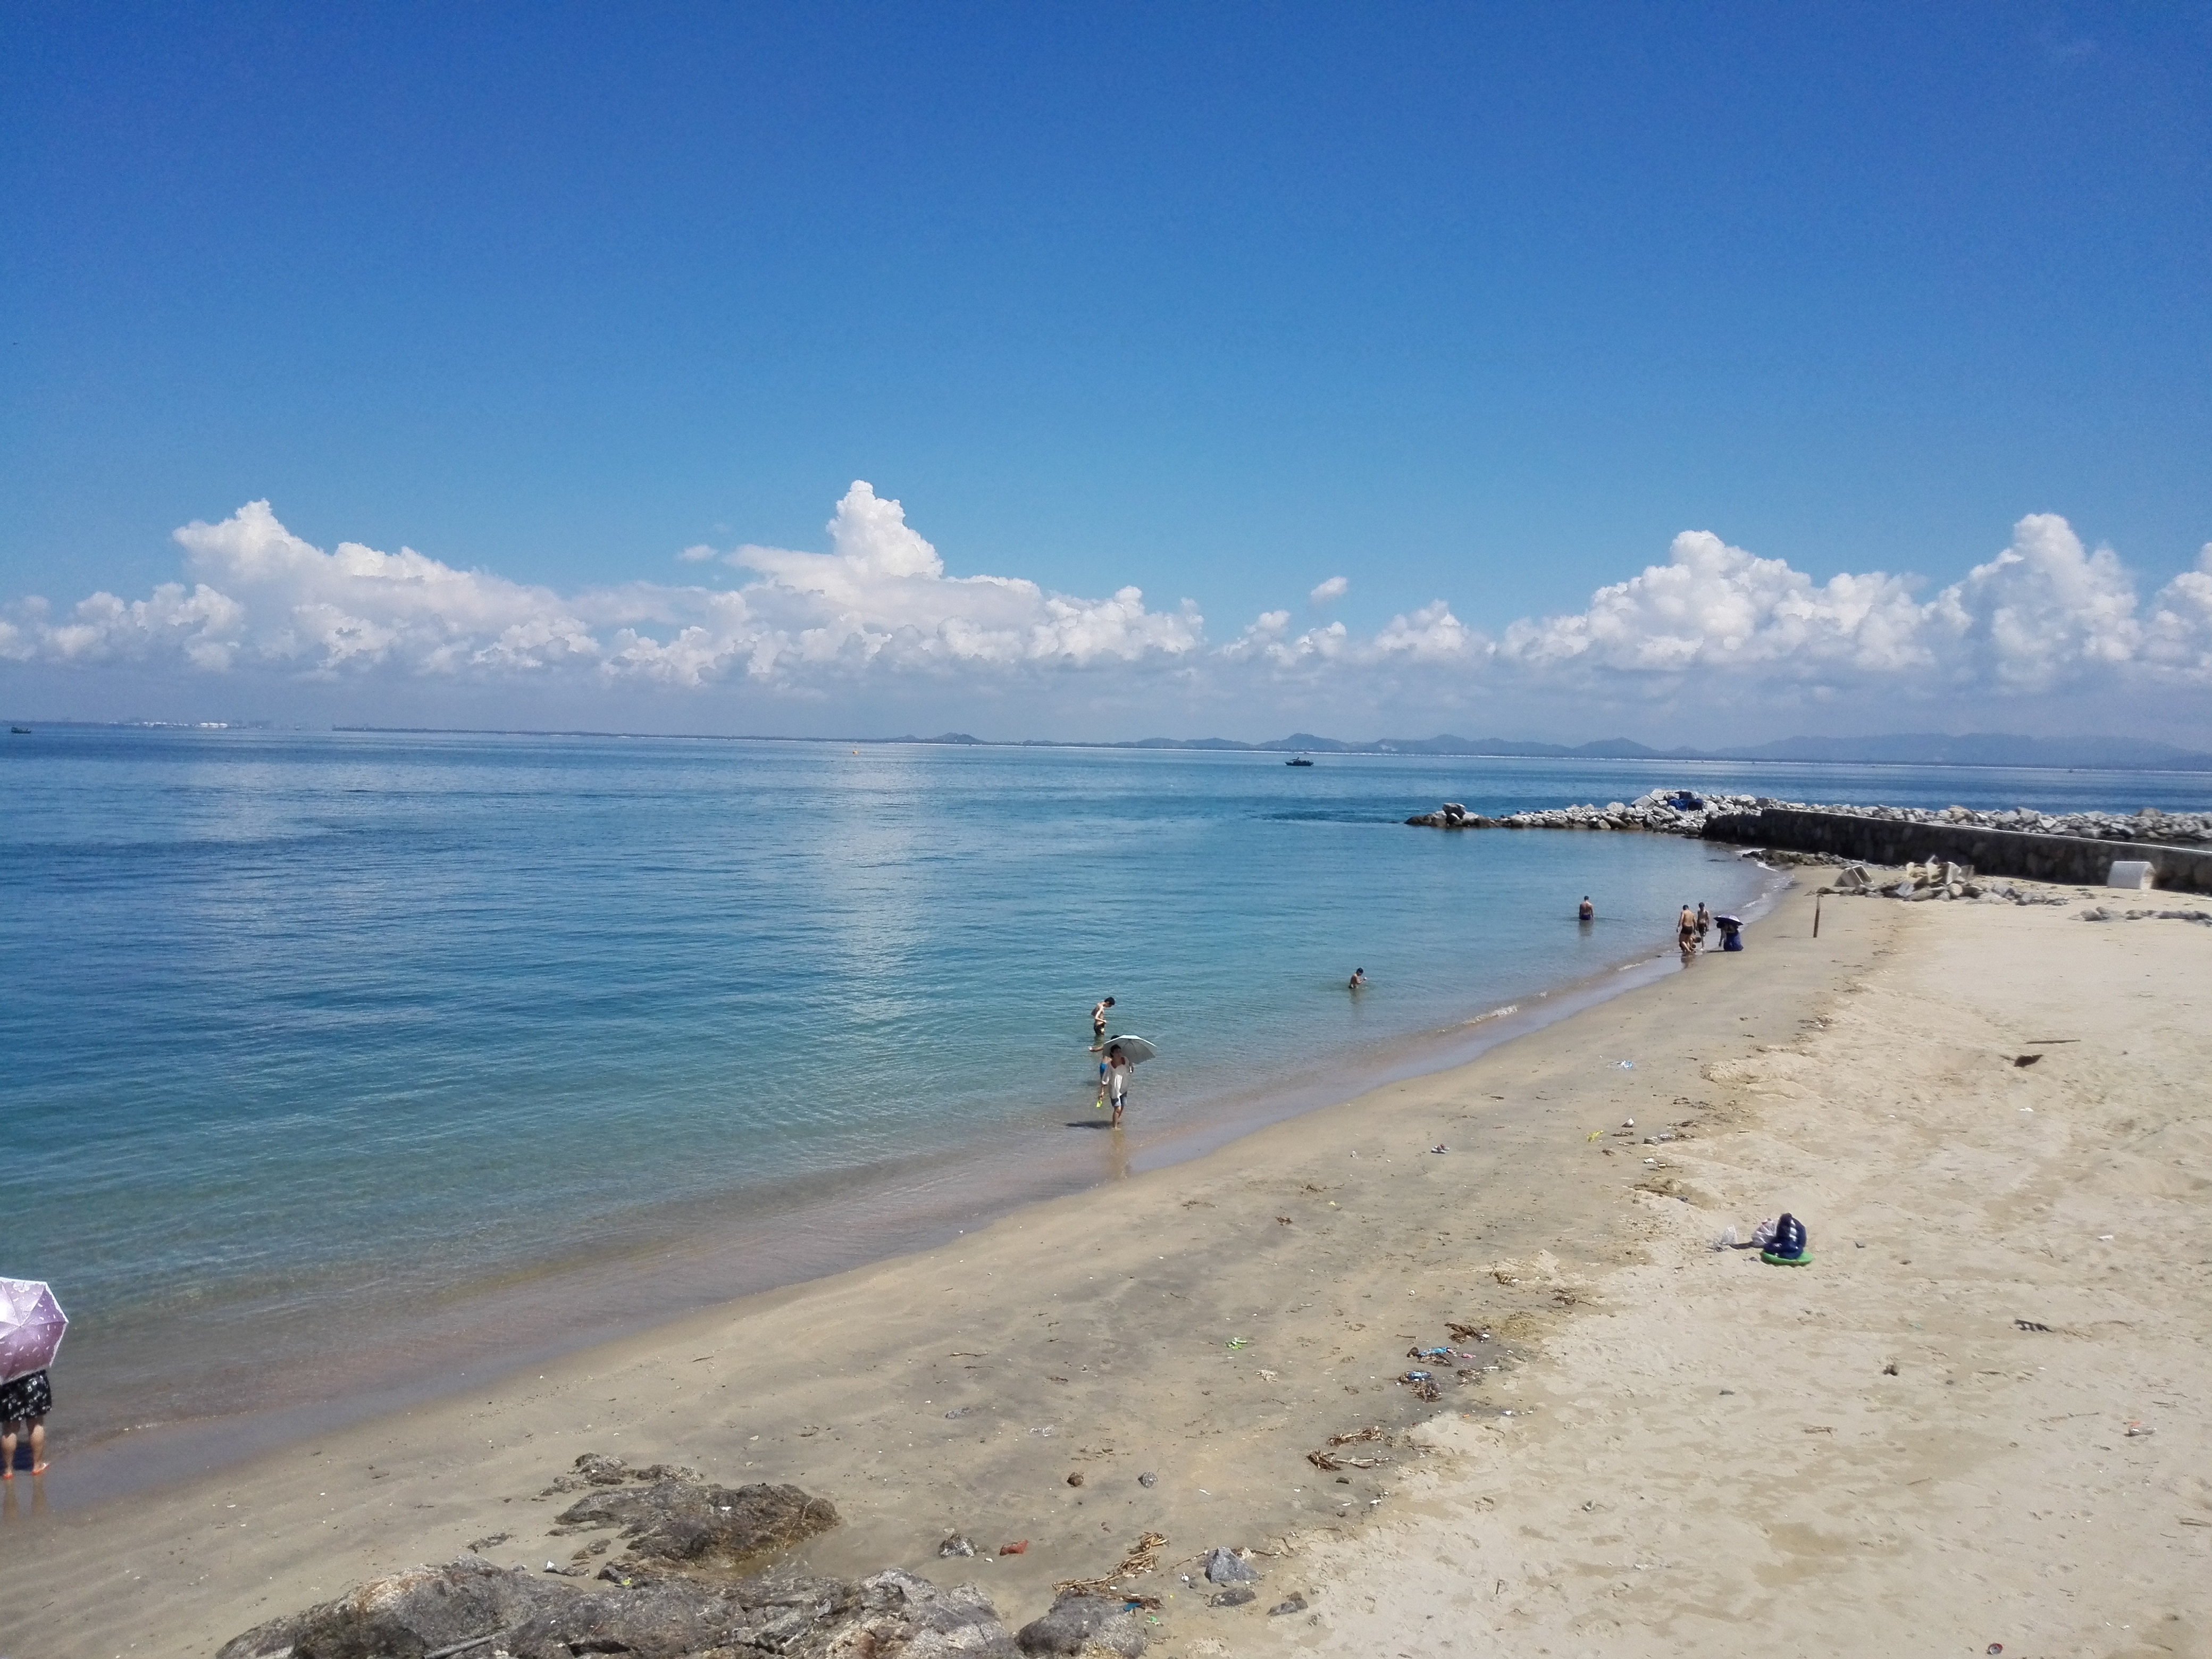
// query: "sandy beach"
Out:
[1661,1447]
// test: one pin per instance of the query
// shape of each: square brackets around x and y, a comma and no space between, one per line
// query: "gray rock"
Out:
[1148,1479]
[956,1544]
[411,1613]
[1236,1597]
[1078,1622]
[1293,1603]
[689,1520]
[893,1615]
[902,1617]
[1225,1566]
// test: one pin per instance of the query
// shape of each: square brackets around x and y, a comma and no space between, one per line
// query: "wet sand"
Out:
[1213,1321]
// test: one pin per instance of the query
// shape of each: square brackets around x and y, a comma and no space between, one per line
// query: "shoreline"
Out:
[696,1259]
[810,1382]
[1977,1422]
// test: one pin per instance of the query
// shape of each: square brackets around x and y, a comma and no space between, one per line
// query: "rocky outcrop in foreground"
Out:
[470,1606]
[1659,812]
[672,1593]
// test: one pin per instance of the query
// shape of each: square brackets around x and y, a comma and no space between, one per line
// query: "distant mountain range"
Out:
[1906,749]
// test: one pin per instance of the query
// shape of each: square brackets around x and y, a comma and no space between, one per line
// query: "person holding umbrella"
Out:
[1118,1074]
[1122,1054]
[31,1324]
[25,1403]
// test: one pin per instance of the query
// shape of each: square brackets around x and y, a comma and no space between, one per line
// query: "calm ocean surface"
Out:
[336,1062]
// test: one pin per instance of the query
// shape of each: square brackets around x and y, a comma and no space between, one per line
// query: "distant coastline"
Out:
[1980,749]
[1990,749]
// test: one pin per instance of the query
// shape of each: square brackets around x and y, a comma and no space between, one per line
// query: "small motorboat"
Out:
[19,730]
[1297,760]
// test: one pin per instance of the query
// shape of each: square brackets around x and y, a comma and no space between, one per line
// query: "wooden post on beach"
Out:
[1817,898]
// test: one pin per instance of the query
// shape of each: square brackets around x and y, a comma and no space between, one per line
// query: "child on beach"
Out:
[24,1402]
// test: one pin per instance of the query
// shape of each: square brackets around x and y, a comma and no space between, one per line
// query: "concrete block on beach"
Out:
[2133,874]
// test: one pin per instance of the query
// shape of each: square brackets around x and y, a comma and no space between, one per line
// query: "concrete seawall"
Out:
[2031,857]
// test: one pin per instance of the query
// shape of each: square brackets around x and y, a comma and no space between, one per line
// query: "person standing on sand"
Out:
[1685,932]
[1705,923]
[1588,911]
[1098,1024]
[1117,1071]
[25,1401]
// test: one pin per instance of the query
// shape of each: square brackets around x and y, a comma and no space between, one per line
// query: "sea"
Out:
[344,1069]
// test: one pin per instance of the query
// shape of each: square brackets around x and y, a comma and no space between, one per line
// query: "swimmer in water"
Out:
[1587,911]
[1357,981]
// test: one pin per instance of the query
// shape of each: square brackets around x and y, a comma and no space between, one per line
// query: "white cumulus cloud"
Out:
[2043,615]
[1716,607]
[1714,628]
[262,597]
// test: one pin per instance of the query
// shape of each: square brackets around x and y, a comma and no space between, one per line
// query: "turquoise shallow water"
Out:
[315,1041]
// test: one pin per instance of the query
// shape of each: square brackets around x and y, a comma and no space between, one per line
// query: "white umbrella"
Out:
[30,1327]
[1134,1049]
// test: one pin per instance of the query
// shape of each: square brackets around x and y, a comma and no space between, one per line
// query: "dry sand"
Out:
[1863,1080]
[1980,1417]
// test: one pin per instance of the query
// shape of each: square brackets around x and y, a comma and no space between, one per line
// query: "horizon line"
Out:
[1339,747]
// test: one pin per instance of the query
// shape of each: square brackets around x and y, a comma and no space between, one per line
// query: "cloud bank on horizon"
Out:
[877,622]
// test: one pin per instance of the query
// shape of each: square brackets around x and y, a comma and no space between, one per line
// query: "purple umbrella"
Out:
[30,1327]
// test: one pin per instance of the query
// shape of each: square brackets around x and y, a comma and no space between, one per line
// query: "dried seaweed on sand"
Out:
[1143,1557]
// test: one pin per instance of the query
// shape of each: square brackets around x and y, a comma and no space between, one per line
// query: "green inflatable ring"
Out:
[1773,1260]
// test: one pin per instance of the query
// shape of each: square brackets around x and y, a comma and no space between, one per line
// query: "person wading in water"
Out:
[1118,1069]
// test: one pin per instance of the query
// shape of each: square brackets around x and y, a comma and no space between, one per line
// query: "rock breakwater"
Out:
[1687,812]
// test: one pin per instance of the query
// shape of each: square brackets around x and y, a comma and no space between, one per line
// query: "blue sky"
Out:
[1481,305]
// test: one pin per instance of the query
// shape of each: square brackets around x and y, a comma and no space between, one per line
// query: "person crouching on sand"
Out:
[24,1403]
[1117,1072]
